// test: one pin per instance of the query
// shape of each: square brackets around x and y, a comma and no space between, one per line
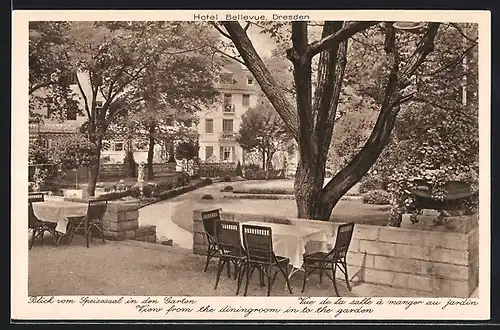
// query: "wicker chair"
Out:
[37,226]
[209,219]
[335,258]
[89,224]
[230,250]
[258,244]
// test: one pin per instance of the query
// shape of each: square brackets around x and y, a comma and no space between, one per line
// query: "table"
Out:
[59,212]
[290,241]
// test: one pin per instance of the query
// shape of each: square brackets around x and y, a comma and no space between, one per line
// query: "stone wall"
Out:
[121,222]
[443,262]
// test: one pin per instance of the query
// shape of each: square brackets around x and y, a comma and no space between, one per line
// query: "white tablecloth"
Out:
[58,212]
[290,240]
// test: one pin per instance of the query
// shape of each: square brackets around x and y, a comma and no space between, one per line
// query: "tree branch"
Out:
[266,81]
[228,56]
[343,34]
[85,99]
[454,62]
[36,87]
[220,30]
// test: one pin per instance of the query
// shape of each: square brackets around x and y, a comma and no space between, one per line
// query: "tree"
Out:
[262,130]
[49,70]
[119,60]
[311,121]
[186,151]
[436,137]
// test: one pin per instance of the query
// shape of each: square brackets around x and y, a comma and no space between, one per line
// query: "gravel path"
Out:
[160,215]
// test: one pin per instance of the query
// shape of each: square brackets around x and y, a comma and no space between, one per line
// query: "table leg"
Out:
[293,271]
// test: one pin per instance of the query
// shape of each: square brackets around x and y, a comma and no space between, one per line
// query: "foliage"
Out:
[369,61]
[38,153]
[130,164]
[147,191]
[186,150]
[207,181]
[226,179]
[373,182]
[228,188]
[207,197]
[260,196]
[377,197]
[272,191]
[38,179]
[215,170]
[238,170]
[350,133]
[75,152]
[262,130]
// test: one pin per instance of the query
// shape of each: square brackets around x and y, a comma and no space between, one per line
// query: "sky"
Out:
[262,43]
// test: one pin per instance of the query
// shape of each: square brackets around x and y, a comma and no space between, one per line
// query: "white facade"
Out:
[218,126]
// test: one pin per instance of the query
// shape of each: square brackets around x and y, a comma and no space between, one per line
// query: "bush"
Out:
[135,192]
[377,197]
[276,191]
[228,188]
[226,179]
[238,170]
[258,196]
[207,181]
[207,197]
[195,177]
[260,175]
[147,191]
[372,183]
[183,179]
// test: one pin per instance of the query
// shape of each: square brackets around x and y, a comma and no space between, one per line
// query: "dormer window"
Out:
[250,81]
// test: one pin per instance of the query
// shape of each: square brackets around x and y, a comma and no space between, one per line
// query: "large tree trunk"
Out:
[151,153]
[312,124]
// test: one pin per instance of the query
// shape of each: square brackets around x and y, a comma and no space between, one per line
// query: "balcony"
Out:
[228,109]
[227,136]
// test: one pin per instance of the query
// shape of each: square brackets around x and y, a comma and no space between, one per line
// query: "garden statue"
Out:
[140,172]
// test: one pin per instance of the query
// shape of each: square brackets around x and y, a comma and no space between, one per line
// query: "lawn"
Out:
[344,211]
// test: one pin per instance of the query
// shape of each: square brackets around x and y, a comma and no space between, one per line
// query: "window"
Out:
[250,81]
[209,126]
[209,151]
[227,125]
[228,99]
[225,153]
[246,100]
[98,104]
[118,146]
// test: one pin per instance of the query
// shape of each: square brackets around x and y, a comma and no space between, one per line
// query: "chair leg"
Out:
[241,270]
[73,231]
[346,276]
[248,278]
[320,273]
[208,258]
[269,281]
[32,240]
[305,278]
[220,266]
[334,268]
[229,269]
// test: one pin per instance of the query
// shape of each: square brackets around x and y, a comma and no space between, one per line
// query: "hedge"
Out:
[377,197]
[275,191]
[259,196]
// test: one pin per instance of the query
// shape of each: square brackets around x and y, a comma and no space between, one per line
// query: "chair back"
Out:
[209,219]
[344,236]
[258,243]
[96,210]
[33,221]
[228,237]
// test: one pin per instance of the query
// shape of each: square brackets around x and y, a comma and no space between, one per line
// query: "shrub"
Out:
[372,183]
[226,179]
[228,188]
[276,191]
[257,196]
[183,178]
[195,177]
[147,191]
[377,197]
[260,175]
[238,170]
[207,181]
[135,192]
[207,197]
